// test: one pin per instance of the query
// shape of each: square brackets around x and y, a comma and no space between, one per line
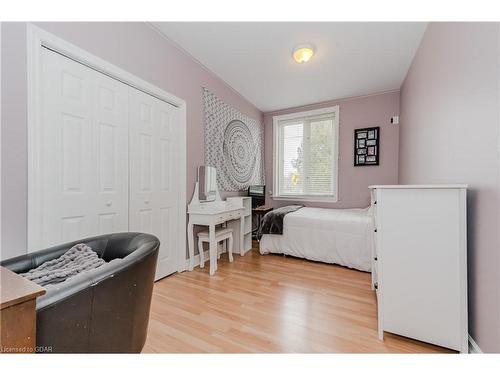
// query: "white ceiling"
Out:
[352,58]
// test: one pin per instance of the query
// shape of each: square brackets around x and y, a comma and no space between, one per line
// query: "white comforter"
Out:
[341,236]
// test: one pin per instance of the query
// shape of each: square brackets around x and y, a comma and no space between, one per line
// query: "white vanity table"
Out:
[212,213]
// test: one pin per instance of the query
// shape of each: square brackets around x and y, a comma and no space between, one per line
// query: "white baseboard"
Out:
[473,347]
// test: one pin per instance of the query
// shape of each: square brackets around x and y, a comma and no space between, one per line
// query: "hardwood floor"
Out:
[270,304]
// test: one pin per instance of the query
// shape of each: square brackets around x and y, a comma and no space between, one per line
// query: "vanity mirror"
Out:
[207,183]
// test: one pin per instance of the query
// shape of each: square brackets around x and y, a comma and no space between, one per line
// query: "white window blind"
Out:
[306,155]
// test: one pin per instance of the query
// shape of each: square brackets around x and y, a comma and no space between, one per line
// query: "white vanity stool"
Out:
[222,234]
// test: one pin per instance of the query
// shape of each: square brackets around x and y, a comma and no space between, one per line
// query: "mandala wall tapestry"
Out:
[233,145]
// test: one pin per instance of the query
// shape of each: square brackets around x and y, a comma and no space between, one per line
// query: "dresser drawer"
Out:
[374,272]
[373,196]
[226,216]
[374,207]
[375,265]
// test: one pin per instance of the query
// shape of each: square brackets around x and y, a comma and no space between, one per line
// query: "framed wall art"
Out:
[366,146]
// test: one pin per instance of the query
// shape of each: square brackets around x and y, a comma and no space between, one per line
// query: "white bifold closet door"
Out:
[84,152]
[107,160]
[154,199]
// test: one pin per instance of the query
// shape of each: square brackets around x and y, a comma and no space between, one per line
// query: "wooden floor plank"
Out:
[270,304]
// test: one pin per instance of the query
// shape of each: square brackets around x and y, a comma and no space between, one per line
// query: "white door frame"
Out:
[37,39]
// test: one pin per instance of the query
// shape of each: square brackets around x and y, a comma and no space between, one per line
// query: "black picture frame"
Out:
[366,146]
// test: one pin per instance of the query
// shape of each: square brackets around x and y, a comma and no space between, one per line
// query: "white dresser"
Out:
[420,262]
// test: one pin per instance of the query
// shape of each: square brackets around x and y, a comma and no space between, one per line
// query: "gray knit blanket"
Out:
[78,259]
[272,222]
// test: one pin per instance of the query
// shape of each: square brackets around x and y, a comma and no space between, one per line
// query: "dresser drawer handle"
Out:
[375,258]
[375,230]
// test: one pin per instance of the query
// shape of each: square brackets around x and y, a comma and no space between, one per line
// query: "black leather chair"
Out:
[105,310]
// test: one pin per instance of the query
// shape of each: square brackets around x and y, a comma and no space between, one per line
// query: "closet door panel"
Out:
[111,152]
[84,153]
[169,165]
[66,151]
[153,193]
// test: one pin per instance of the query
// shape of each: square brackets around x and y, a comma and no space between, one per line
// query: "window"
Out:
[305,155]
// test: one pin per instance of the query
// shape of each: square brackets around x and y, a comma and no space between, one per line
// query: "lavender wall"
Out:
[361,112]
[134,47]
[450,134]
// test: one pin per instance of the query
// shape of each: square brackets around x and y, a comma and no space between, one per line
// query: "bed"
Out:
[340,236]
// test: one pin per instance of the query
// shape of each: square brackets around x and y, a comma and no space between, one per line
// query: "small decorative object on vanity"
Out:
[366,146]
[419,262]
[208,209]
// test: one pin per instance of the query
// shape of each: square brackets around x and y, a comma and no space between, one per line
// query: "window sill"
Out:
[301,198]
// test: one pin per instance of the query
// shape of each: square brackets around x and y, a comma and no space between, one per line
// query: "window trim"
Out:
[277,148]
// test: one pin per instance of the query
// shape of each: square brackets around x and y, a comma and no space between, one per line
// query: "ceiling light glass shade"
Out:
[303,54]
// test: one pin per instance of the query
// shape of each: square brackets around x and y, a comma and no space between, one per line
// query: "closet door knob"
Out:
[109,203]
[146,201]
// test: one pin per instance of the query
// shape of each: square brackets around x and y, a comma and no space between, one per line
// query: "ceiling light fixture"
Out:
[303,53]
